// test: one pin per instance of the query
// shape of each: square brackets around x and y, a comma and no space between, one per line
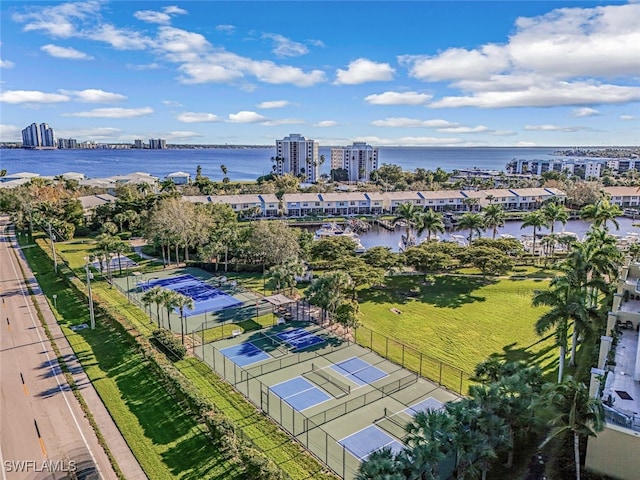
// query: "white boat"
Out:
[406,241]
[332,230]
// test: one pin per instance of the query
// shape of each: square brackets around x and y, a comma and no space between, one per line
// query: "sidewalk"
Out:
[122,453]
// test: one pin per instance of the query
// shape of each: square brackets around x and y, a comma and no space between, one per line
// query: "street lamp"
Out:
[55,301]
[89,277]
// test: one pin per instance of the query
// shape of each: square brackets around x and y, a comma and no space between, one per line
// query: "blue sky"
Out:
[448,73]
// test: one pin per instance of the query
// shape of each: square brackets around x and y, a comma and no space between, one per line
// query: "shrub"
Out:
[257,465]
[169,343]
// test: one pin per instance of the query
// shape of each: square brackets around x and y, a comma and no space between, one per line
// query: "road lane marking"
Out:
[8,324]
[24,385]
[42,447]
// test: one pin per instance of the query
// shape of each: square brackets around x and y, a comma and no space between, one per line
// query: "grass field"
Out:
[461,320]
[167,443]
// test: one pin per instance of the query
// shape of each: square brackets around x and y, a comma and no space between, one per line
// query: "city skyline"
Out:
[385,73]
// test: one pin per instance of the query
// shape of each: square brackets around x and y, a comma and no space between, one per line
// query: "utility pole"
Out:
[53,249]
[91,315]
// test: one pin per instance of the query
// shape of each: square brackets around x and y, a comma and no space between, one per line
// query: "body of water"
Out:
[378,236]
[244,164]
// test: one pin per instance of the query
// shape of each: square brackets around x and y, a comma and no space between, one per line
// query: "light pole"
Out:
[53,249]
[89,275]
[55,301]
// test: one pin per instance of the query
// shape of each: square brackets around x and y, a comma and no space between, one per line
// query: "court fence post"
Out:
[386,354]
[420,368]
[202,341]
[440,377]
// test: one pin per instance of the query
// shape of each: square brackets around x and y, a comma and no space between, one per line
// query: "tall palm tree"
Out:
[381,464]
[536,220]
[169,300]
[601,212]
[431,222]
[577,412]
[474,222]
[494,217]
[428,442]
[182,302]
[555,212]
[153,295]
[567,303]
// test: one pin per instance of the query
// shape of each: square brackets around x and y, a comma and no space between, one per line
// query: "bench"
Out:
[281,321]
[236,332]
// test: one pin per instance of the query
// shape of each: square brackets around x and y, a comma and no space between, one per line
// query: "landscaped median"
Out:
[172,412]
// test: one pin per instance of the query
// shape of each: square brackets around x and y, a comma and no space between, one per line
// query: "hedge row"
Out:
[222,431]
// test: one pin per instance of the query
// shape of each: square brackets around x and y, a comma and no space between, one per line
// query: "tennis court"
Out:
[206,298]
[114,263]
[245,354]
[368,440]
[300,393]
[340,400]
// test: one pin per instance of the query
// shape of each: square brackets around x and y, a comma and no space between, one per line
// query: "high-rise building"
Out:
[157,143]
[38,136]
[298,156]
[67,143]
[137,143]
[359,160]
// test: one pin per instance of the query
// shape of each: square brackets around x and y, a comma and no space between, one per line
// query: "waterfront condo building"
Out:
[298,156]
[359,160]
[157,143]
[38,136]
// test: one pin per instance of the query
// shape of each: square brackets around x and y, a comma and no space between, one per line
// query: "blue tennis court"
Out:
[245,354]
[299,338]
[368,440]
[205,297]
[427,404]
[359,371]
[299,393]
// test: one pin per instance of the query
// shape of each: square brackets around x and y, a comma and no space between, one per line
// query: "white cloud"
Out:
[246,117]
[6,64]
[283,121]
[462,129]
[10,133]
[120,39]
[585,112]
[142,68]
[177,41]
[32,96]
[554,128]
[226,28]
[195,117]
[403,122]
[627,117]
[569,56]
[65,52]
[98,133]
[457,63]
[398,98]
[273,104]
[409,141]
[326,123]
[94,95]
[58,21]
[502,133]
[171,103]
[363,70]
[151,16]
[284,47]
[182,135]
[113,113]
[546,94]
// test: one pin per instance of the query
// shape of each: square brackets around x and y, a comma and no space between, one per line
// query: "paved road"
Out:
[42,426]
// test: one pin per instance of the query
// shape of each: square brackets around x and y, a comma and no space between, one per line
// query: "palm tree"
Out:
[577,412]
[120,247]
[494,217]
[153,295]
[381,464]
[329,291]
[536,220]
[431,222]
[555,212]
[169,299]
[567,303]
[601,212]
[428,442]
[474,222]
[408,213]
[182,302]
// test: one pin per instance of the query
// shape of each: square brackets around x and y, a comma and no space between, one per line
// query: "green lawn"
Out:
[167,442]
[461,320]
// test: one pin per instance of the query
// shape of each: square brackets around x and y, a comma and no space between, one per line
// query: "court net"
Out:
[327,381]
[393,424]
[276,343]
